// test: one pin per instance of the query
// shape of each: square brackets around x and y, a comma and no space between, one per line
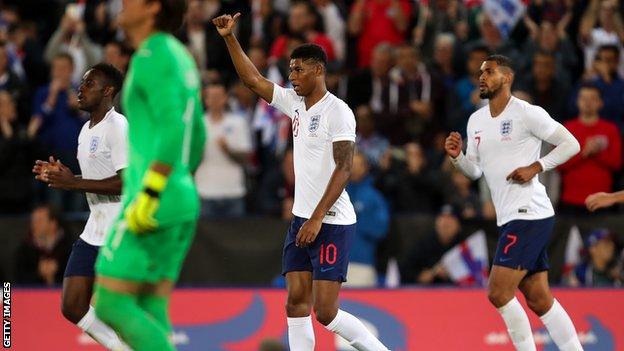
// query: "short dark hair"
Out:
[501,61]
[609,47]
[111,74]
[171,15]
[310,52]
[479,48]
[591,86]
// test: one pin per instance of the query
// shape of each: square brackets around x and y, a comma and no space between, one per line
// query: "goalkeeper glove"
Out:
[140,213]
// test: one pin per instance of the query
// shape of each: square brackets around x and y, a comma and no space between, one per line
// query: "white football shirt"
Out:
[314,131]
[102,151]
[499,145]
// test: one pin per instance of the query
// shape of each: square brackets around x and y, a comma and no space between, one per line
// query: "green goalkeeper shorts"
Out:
[148,257]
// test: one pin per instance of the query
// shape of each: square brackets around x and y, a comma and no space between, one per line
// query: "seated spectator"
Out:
[601,267]
[303,21]
[368,141]
[373,221]
[71,38]
[545,88]
[462,197]
[220,177]
[605,76]
[374,22]
[335,26]
[407,181]
[16,154]
[464,98]
[422,265]
[42,256]
[593,169]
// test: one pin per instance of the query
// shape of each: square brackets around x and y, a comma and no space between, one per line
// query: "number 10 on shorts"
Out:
[328,254]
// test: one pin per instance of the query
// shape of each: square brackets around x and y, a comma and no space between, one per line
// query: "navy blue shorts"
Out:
[327,257]
[82,260]
[522,244]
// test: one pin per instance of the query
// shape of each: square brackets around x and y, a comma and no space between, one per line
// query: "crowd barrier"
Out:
[404,319]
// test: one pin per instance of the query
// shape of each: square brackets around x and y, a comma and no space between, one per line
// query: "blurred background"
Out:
[408,69]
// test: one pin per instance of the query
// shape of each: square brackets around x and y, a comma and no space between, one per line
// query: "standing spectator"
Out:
[221,175]
[368,85]
[42,257]
[600,268]
[56,105]
[443,63]
[464,99]
[367,140]
[373,216]
[334,26]
[71,38]
[118,54]
[591,170]
[16,154]
[303,21]
[545,88]
[422,265]
[409,184]
[601,25]
[491,37]
[378,21]
[605,76]
[9,80]
[194,34]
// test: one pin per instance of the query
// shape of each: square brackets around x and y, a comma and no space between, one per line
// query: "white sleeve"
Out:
[468,164]
[566,147]
[539,122]
[241,139]
[284,99]
[342,125]
[118,139]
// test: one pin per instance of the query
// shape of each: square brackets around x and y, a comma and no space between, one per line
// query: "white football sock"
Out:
[355,332]
[518,326]
[561,329]
[300,334]
[101,332]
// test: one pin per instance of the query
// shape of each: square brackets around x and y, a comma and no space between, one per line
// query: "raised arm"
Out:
[246,70]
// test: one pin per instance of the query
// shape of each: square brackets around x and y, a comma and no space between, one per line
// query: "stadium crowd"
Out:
[408,69]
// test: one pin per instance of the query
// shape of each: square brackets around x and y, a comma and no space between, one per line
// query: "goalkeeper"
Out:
[141,260]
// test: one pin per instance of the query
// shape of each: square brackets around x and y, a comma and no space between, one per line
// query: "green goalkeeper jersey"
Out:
[161,99]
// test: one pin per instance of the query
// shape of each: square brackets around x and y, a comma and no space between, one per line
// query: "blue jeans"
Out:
[223,208]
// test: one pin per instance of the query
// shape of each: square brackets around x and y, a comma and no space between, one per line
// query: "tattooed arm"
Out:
[343,157]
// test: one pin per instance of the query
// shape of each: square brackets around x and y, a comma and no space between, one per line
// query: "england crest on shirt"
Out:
[506,127]
[315,121]
[93,145]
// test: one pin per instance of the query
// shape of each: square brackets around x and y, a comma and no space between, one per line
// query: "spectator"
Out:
[9,80]
[438,17]
[373,221]
[221,175]
[601,25]
[443,65]
[545,88]
[462,197]
[407,181]
[56,105]
[118,54]
[611,85]
[552,37]
[42,257]
[368,85]
[593,169]
[16,154]
[368,141]
[601,267]
[100,17]
[422,265]
[334,26]
[464,99]
[303,21]
[71,38]
[375,22]
[492,38]
[194,33]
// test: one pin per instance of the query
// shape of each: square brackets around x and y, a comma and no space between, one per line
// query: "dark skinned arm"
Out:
[343,157]
[63,178]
